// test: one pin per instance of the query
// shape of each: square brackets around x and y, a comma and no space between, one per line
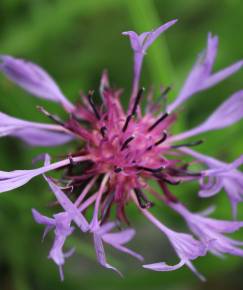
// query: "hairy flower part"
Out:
[120,153]
[211,231]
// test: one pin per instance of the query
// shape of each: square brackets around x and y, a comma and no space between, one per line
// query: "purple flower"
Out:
[140,44]
[220,175]
[116,240]
[211,231]
[33,79]
[61,223]
[120,153]
[201,77]
[35,134]
[186,247]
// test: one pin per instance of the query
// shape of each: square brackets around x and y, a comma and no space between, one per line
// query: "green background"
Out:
[74,41]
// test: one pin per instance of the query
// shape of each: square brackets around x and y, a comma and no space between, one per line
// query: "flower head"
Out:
[120,153]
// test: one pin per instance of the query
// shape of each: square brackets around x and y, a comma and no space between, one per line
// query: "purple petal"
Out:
[215,188]
[228,113]
[150,38]
[121,237]
[117,240]
[200,78]
[62,231]
[35,134]
[161,266]
[14,179]
[41,219]
[198,74]
[140,43]
[224,175]
[33,79]
[68,206]
[100,253]
[221,75]
[44,220]
[210,231]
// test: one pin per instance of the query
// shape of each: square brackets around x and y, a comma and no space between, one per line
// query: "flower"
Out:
[61,223]
[121,152]
[220,175]
[210,231]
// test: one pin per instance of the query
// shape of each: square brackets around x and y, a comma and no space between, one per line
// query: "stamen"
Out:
[164,116]
[162,139]
[70,157]
[124,145]
[103,131]
[150,169]
[195,143]
[54,118]
[129,117]
[133,113]
[165,92]
[181,172]
[137,100]
[167,193]
[91,102]
[142,199]
[169,181]
[107,207]
[117,169]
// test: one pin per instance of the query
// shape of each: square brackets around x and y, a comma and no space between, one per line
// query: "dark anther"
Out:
[70,157]
[142,199]
[184,173]
[134,109]
[91,102]
[161,140]
[165,91]
[124,145]
[54,118]
[107,206]
[154,170]
[103,131]
[171,182]
[188,144]
[117,169]
[167,193]
[164,116]
[129,117]
[137,100]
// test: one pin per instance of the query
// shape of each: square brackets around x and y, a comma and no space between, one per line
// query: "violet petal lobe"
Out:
[68,206]
[33,79]
[140,43]
[211,231]
[221,175]
[34,134]
[228,113]
[201,76]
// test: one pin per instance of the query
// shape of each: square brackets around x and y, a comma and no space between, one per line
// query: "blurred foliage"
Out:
[75,40]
